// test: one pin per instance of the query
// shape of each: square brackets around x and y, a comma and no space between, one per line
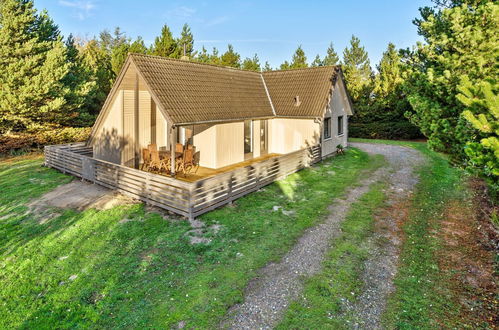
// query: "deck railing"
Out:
[189,199]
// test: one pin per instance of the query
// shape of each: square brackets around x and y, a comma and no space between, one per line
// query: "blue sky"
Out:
[272,29]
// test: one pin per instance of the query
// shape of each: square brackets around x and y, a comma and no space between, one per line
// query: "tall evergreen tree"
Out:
[138,46]
[203,56]
[267,67]
[331,56]
[186,39]
[317,61]
[252,64]
[357,70]
[32,69]
[165,45]
[215,57]
[231,58]
[110,41]
[98,65]
[80,85]
[118,57]
[285,66]
[299,60]
[460,45]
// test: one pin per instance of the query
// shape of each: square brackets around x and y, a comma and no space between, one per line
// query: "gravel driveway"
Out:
[268,296]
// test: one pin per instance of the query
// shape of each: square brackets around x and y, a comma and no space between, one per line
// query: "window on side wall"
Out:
[327,128]
[340,125]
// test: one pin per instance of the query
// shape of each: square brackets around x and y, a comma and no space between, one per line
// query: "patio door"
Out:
[264,137]
[248,139]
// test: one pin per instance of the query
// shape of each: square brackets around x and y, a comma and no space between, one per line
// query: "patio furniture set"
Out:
[186,159]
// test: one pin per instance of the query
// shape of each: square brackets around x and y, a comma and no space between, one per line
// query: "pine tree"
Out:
[482,111]
[317,61]
[79,84]
[187,39]
[118,57]
[252,64]
[460,41]
[267,67]
[331,56]
[389,77]
[231,58]
[164,45]
[138,46]
[110,41]
[203,56]
[357,70]
[285,66]
[299,60]
[32,69]
[98,65]
[214,57]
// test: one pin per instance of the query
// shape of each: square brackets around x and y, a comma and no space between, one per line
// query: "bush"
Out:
[15,142]
[399,130]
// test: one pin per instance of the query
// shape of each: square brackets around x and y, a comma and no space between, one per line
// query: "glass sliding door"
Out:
[263,137]
[248,138]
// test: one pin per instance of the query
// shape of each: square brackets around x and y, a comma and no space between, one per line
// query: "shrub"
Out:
[14,142]
[398,130]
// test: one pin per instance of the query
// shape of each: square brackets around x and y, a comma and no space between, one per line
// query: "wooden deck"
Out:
[204,172]
[190,196]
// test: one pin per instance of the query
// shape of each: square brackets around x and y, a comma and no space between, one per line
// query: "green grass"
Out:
[339,281]
[422,299]
[144,272]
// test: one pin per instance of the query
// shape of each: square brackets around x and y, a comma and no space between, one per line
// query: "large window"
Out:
[327,128]
[248,136]
[340,125]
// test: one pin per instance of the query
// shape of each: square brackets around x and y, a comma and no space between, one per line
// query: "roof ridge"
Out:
[222,67]
[338,66]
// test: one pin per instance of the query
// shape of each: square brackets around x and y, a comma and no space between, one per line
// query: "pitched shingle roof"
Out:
[192,92]
[312,87]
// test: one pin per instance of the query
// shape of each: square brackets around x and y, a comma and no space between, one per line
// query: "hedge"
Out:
[400,130]
[14,142]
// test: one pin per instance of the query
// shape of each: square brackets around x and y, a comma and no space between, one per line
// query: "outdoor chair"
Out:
[196,159]
[187,162]
[156,162]
[146,158]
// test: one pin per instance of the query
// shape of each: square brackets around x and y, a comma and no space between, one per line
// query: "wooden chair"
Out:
[156,162]
[179,147]
[146,158]
[196,159]
[187,162]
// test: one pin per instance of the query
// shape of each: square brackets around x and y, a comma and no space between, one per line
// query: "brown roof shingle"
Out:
[312,86]
[192,92]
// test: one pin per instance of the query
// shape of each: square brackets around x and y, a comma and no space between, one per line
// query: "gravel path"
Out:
[267,297]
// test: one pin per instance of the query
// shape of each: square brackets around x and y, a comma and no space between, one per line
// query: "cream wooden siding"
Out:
[144,121]
[230,143]
[205,140]
[338,107]
[108,144]
[288,135]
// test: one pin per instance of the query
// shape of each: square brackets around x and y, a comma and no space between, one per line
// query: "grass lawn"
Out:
[90,269]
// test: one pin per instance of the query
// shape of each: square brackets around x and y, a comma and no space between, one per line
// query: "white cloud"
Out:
[81,8]
[182,12]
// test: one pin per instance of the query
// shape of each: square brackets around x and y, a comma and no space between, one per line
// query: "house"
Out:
[249,128]
[229,115]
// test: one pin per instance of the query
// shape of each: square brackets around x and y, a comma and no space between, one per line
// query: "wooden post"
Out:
[136,124]
[173,144]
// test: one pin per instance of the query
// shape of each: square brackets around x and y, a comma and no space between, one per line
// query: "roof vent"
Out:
[297,101]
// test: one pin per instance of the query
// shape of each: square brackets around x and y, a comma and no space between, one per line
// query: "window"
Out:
[248,136]
[327,128]
[340,125]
